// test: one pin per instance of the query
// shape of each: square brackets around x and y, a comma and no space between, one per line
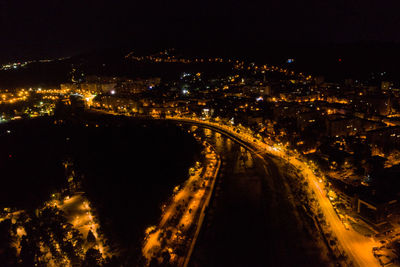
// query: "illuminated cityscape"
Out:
[199,135]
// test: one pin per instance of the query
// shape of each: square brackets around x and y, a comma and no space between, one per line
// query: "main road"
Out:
[252,219]
[290,237]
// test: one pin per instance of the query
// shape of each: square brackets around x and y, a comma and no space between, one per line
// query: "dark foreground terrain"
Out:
[127,169]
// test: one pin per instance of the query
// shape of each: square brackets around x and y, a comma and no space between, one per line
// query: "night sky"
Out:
[59,27]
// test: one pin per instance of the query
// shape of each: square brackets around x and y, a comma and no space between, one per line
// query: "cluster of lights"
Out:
[52,91]
[196,200]
[14,65]
[165,57]
[265,68]
[11,98]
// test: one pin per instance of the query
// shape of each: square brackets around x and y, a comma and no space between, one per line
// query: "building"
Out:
[138,85]
[375,209]
[307,119]
[371,206]
[338,125]
[260,90]
[386,138]
[347,193]
[98,88]
[92,88]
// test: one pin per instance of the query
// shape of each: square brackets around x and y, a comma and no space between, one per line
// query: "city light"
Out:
[330,149]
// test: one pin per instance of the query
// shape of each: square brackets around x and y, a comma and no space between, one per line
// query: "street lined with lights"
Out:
[356,246]
[182,217]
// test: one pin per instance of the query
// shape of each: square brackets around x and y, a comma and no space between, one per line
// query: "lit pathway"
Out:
[183,216]
[78,212]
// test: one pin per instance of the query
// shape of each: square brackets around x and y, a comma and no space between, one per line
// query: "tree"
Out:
[90,237]
[27,254]
[93,258]
[7,252]
[166,258]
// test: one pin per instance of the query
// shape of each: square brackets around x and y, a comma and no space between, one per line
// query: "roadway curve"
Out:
[277,195]
[253,220]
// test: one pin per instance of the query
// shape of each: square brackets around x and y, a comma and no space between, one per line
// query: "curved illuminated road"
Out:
[254,220]
[251,220]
